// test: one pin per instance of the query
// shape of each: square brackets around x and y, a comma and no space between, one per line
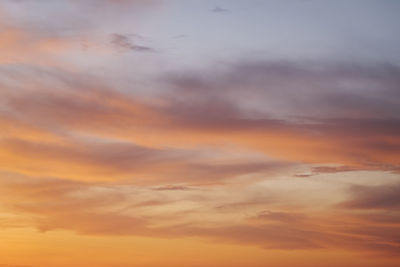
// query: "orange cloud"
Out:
[82,107]
[96,209]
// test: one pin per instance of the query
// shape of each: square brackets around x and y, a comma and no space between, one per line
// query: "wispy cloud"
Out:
[124,42]
[374,197]
[219,9]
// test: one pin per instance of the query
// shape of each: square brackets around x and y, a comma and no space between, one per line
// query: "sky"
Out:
[185,133]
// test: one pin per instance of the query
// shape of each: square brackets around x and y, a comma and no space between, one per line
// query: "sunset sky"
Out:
[199,133]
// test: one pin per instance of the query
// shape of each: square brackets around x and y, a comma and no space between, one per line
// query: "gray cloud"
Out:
[124,42]
[173,188]
[302,89]
[219,9]
[374,197]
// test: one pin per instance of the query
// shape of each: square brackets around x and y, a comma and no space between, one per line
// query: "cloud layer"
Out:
[112,130]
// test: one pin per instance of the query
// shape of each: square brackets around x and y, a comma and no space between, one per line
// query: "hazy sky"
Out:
[199,133]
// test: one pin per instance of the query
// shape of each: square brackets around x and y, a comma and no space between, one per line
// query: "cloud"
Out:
[70,105]
[126,160]
[380,216]
[62,204]
[300,89]
[89,161]
[300,99]
[374,197]
[218,9]
[124,42]
[287,217]
[294,231]
[334,169]
[67,34]
[172,188]
[303,175]
[118,209]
